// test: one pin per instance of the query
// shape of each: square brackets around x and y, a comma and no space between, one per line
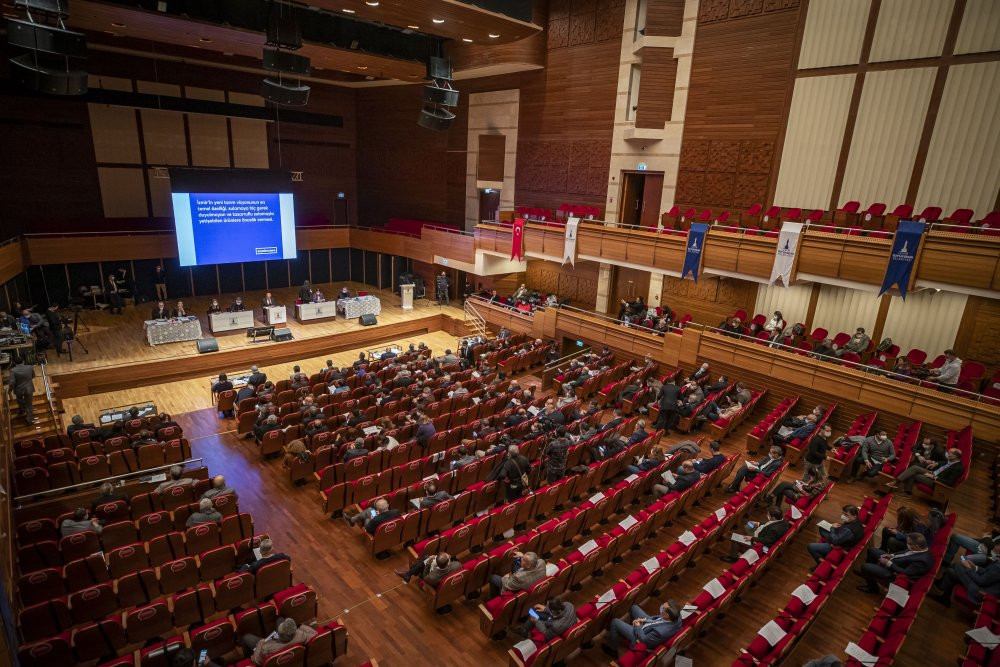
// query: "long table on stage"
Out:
[312,312]
[241,320]
[358,306]
[174,330]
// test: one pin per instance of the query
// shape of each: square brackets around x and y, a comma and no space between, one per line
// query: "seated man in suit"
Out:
[256,377]
[915,561]
[432,496]
[206,514]
[550,620]
[298,379]
[356,450]
[165,421]
[237,305]
[267,555]
[270,424]
[705,466]
[160,312]
[699,373]
[78,425]
[527,569]
[432,569]
[788,433]
[146,437]
[373,517]
[616,419]
[978,574]
[947,473]
[652,631]
[218,488]
[287,633]
[844,534]
[79,523]
[638,435]
[760,534]
[684,479]
[108,495]
[753,469]
[176,478]
[249,390]
[179,310]
[222,385]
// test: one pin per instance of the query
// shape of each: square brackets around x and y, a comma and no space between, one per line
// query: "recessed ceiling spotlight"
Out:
[466,39]
[204,39]
[362,66]
[371,3]
[494,35]
[116,24]
[348,11]
[438,20]
[413,27]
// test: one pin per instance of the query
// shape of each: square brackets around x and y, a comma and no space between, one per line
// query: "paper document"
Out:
[596,498]
[668,477]
[795,512]
[687,610]
[720,514]
[683,661]
[898,594]
[159,477]
[606,598]
[741,538]
[714,588]
[630,479]
[687,538]
[750,556]
[256,553]
[772,632]
[415,502]
[825,525]
[859,654]
[368,430]
[476,399]
[534,410]
[984,637]
[804,594]
[651,565]
[628,522]
[587,547]
[526,648]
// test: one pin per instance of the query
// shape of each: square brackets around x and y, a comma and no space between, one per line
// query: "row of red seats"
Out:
[63,469]
[809,599]
[906,438]
[654,574]
[798,444]
[218,637]
[119,530]
[842,457]
[760,433]
[645,395]
[720,428]
[941,493]
[887,631]
[987,616]
[592,618]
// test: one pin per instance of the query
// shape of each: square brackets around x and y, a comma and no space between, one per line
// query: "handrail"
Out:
[97,482]
[965,229]
[569,357]
[488,302]
[616,322]
[449,230]
[50,398]
[857,231]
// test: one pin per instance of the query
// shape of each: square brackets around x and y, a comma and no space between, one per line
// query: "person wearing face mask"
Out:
[776,324]
[858,344]
[844,534]
[815,456]
[875,450]
[751,470]
[760,534]
[947,473]
[979,575]
[915,561]
[927,452]
[215,307]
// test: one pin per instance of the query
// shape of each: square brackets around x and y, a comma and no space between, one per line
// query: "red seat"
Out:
[44,619]
[216,637]
[793,214]
[298,602]
[815,215]
[272,578]
[917,357]
[930,214]
[79,545]
[234,590]
[99,639]
[960,216]
[178,574]
[149,621]
[52,652]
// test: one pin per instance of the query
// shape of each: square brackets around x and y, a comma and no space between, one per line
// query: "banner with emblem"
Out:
[784,254]
[904,252]
[569,247]
[692,255]
[517,240]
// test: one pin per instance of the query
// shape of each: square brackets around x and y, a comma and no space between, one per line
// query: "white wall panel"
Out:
[963,161]
[927,320]
[163,137]
[843,309]
[793,302]
[812,140]
[833,33]
[115,134]
[249,142]
[123,192]
[980,30]
[909,29]
[886,134]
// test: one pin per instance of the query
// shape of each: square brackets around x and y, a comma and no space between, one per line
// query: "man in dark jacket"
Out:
[705,466]
[550,620]
[267,555]
[256,377]
[844,534]
[508,472]
[760,534]
[914,562]
[753,469]
[374,516]
[947,473]
[554,456]
[78,425]
[979,574]
[815,456]
[670,396]
[22,384]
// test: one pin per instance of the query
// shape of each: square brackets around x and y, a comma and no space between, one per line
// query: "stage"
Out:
[120,358]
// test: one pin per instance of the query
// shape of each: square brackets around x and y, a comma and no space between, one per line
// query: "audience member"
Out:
[373,517]
[786,434]
[550,620]
[512,471]
[893,538]
[844,534]
[815,456]
[432,496]
[267,556]
[206,514]
[947,473]
[78,425]
[876,450]
[810,486]
[527,569]
[218,488]
[948,374]
[432,569]
[752,470]
[756,533]
[288,633]
[915,561]
[652,631]
[79,523]
[176,478]
[108,495]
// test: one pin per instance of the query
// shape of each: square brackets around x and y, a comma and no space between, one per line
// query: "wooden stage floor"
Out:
[393,622]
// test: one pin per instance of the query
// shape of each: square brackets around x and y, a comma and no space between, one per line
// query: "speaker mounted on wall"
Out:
[437,95]
[46,67]
[283,61]
[277,91]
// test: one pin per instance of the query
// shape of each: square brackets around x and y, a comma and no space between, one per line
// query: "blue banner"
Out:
[904,252]
[692,256]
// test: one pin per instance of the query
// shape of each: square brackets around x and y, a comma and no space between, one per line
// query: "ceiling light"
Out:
[115,24]
[362,66]
[371,3]
[413,27]
[494,35]
[466,39]
[348,11]
[438,20]
[204,39]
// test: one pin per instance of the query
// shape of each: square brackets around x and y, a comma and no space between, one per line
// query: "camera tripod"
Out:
[74,337]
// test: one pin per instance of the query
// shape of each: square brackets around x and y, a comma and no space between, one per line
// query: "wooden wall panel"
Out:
[123,192]
[11,261]
[578,283]
[736,97]
[163,137]
[491,157]
[656,93]
[629,284]
[977,338]
[664,18]
[710,300]
[209,140]
[114,133]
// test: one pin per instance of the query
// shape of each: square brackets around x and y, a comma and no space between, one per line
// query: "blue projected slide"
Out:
[222,228]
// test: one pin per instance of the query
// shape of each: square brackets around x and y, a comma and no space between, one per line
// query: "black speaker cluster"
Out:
[283,37]
[51,49]
[438,96]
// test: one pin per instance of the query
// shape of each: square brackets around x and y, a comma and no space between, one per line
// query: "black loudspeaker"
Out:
[45,79]
[367,320]
[281,335]
[438,68]
[46,39]
[284,31]
[291,96]
[435,118]
[283,61]
[207,345]
[438,95]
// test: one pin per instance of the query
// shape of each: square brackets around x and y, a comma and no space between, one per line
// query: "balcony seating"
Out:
[839,459]
[751,216]
[901,212]
[761,433]
[961,217]
[847,214]
[771,218]
[930,214]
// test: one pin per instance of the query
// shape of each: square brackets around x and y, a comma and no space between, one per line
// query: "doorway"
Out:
[489,205]
[639,204]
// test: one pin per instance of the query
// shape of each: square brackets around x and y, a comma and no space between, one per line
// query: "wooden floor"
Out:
[116,340]
[393,623]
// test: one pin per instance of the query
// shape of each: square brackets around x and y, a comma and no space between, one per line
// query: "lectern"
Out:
[406,292]
[275,314]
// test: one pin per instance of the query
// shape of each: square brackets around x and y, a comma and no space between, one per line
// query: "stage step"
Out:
[46,424]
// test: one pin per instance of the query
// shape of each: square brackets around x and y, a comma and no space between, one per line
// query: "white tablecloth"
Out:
[172,331]
[241,320]
[362,305]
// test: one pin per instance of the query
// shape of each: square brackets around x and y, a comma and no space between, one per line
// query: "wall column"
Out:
[655,289]
[604,276]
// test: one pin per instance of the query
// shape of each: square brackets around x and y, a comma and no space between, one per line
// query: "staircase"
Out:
[474,323]
[44,409]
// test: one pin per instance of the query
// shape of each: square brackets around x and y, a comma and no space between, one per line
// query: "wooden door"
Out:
[652,192]
[630,205]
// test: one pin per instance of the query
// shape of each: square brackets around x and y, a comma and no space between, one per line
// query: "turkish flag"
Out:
[517,240]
